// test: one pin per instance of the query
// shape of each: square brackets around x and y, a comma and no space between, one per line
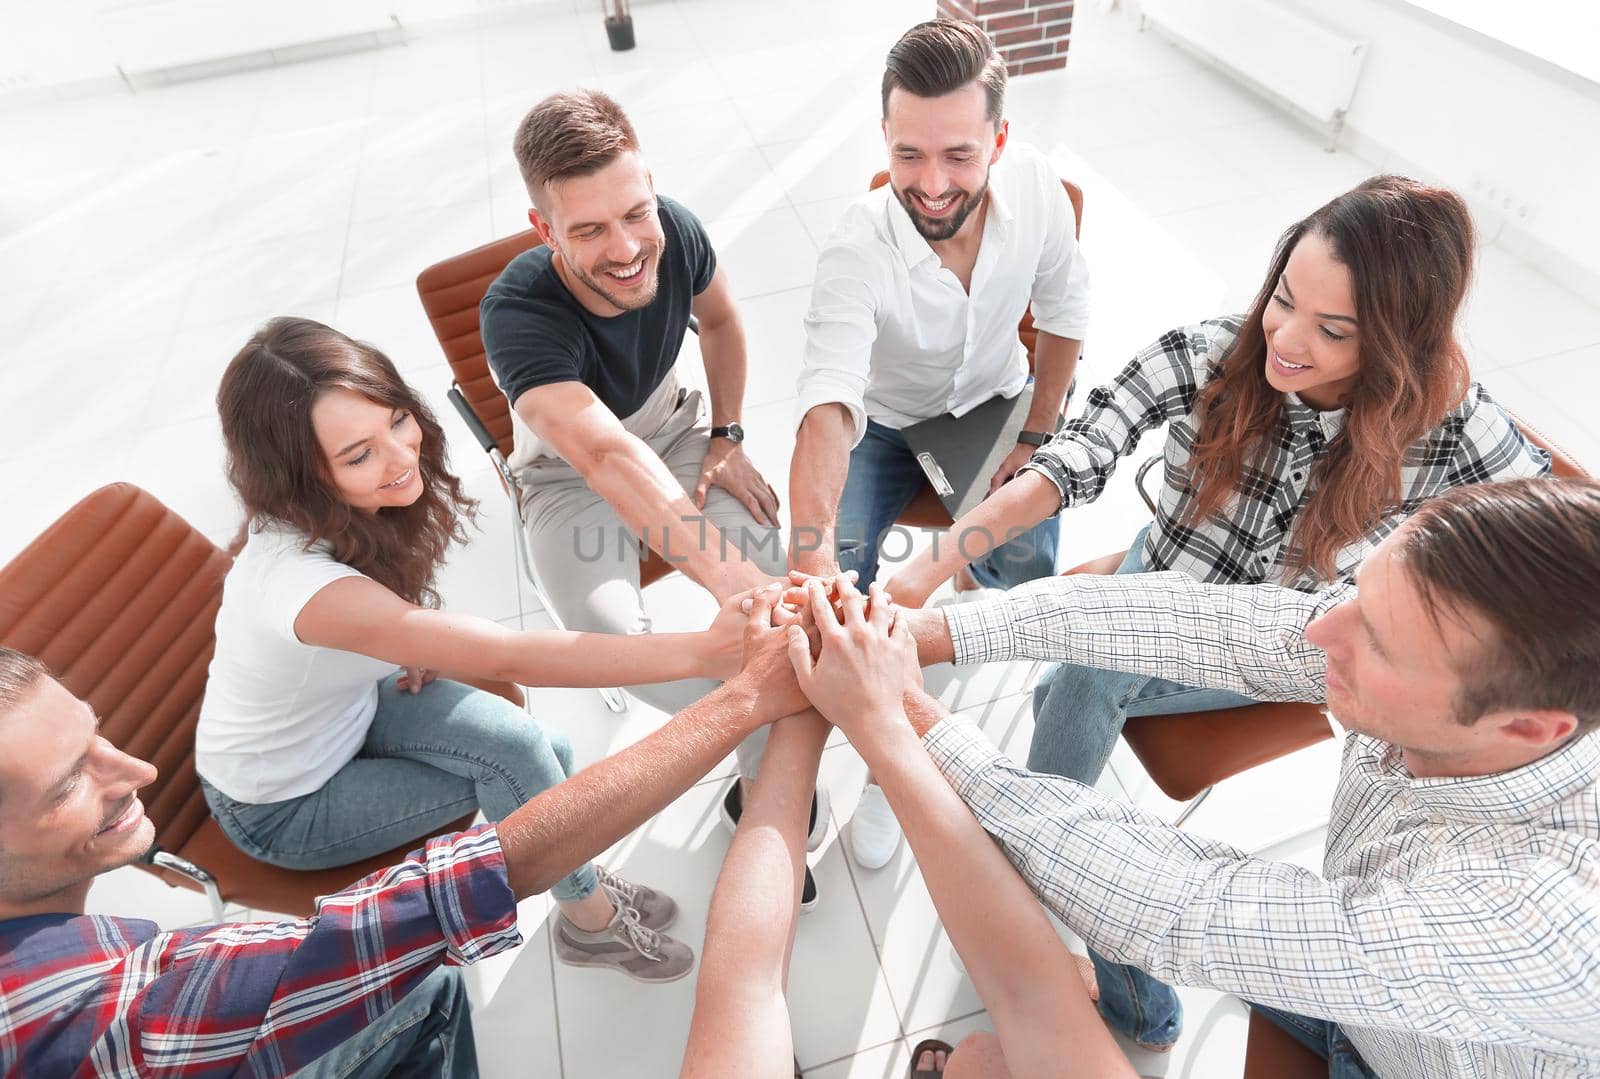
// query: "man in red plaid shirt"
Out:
[365,986]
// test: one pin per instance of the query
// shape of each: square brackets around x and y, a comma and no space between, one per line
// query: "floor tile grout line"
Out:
[1556,355]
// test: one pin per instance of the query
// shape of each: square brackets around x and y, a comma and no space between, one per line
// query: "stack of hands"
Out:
[817,642]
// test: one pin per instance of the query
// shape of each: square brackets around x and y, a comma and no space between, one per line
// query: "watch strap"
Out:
[1033,438]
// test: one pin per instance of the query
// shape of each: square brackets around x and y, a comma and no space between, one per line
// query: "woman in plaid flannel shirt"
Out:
[1300,435]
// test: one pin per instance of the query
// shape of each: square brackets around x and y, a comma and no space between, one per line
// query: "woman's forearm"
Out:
[585,660]
[1022,503]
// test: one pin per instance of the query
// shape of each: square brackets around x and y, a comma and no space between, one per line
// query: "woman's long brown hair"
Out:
[1408,247]
[278,468]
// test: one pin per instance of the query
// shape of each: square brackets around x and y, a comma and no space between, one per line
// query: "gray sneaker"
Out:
[657,910]
[625,945]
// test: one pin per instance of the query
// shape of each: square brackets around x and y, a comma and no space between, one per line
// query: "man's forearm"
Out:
[931,631]
[1018,964]
[816,480]
[1055,361]
[653,504]
[574,821]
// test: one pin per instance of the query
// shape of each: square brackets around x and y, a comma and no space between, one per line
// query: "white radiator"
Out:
[147,35]
[1272,45]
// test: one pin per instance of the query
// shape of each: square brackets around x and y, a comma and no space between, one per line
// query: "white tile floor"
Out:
[142,236]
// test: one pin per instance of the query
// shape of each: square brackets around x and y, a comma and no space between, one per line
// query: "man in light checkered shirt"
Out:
[1455,930]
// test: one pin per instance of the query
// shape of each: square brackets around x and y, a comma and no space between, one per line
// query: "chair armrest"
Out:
[1138,481]
[470,418]
[165,859]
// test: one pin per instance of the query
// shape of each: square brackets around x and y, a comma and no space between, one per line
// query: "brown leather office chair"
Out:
[450,291]
[1272,1053]
[1562,464]
[1188,753]
[119,597]
[925,510]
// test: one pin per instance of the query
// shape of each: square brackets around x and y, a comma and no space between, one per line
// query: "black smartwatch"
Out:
[733,433]
[1032,438]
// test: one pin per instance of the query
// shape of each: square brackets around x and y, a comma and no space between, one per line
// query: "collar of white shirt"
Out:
[1522,794]
[917,252]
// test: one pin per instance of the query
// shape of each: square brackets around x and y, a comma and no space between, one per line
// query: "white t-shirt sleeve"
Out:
[293,576]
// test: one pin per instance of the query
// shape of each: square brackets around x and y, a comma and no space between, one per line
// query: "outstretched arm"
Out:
[635,482]
[817,473]
[741,1015]
[863,680]
[570,823]
[356,614]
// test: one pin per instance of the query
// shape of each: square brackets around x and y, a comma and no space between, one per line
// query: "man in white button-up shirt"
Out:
[914,314]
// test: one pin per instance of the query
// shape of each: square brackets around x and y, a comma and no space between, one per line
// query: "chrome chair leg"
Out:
[1194,804]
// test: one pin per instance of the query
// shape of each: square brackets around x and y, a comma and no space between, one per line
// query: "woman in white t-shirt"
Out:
[324,737]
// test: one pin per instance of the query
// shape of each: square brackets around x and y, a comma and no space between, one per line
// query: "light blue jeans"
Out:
[884,477]
[428,1033]
[429,758]
[1078,713]
[1324,1038]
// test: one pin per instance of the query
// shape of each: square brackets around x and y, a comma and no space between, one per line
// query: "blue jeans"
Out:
[1324,1038]
[427,1033]
[1078,713]
[429,758]
[884,477]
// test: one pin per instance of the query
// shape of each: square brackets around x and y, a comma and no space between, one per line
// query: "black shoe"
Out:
[733,807]
[816,828]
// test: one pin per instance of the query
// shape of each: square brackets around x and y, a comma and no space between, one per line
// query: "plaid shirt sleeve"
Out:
[1246,638]
[1489,447]
[267,998]
[1158,385]
[1422,956]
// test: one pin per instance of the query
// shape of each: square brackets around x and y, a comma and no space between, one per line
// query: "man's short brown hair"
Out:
[1524,557]
[941,56]
[19,673]
[573,133]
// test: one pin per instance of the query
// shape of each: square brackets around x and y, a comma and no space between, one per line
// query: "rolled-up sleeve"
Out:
[1060,300]
[1157,385]
[841,326]
[1247,639]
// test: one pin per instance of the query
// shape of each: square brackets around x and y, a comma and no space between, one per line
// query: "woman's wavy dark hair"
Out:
[278,468]
[1408,247]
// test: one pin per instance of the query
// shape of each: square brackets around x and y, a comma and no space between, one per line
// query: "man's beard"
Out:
[602,284]
[935,229]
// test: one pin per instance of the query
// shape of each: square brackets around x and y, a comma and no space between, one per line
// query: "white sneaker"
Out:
[874,834]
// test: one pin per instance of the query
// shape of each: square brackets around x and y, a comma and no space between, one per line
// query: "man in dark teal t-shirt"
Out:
[583,336]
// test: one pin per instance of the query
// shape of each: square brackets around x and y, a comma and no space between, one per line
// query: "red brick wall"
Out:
[1031,34]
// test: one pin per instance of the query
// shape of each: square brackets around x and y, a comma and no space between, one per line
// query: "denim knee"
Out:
[517,741]
[1078,713]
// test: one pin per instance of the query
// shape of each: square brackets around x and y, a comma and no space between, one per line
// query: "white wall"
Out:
[47,44]
[1518,137]
[51,42]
